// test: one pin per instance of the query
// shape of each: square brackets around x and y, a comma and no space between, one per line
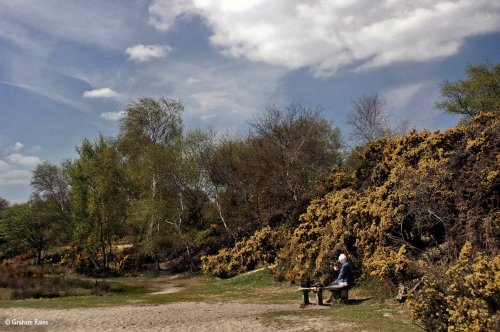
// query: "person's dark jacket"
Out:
[345,274]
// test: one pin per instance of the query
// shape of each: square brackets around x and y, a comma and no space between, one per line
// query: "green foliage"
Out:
[479,92]
[150,121]
[51,188]
[24,228]
[4,204]
[99,197]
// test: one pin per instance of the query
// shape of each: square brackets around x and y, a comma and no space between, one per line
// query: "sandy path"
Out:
[183,316]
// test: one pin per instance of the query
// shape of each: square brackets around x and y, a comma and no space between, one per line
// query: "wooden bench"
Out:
[339,293]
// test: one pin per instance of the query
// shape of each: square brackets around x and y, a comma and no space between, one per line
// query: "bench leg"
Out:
[319,296]
[340,296]
[305,295]
[344,295]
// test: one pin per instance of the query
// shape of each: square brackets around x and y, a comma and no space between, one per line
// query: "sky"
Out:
[69,68]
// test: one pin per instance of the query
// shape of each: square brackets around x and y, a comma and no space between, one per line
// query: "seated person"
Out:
[345,275]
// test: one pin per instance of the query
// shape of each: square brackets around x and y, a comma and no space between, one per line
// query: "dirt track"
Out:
[183,316]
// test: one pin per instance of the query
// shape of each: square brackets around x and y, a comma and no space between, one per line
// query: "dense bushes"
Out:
[421,196]
[401,209]
[122,259]
[261,248]
[464,298]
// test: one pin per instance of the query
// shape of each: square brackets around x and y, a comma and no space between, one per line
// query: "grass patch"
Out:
[253,287]
[118,294]
[46,286]
[25,282]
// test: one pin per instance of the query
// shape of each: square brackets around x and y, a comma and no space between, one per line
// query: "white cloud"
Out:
[399,97]
[40,87]
[105,24]
[144,53]
[10,176]
[100,93]
[21,159]
[211,99]
[164,13]
[3,165]
[15,177]
[113,116]
[414,103]
[18,146]
[226,96]
[326,35]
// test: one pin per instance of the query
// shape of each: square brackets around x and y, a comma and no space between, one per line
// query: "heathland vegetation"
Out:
[414,211]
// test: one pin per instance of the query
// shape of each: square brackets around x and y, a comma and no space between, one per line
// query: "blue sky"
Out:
[68,68]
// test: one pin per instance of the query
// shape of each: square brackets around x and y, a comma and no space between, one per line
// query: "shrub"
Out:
[391,265]
[465,298]
[261,248]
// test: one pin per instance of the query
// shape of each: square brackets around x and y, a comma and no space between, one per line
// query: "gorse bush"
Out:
[421,196]
[464,298]
[400,209]
[259,249]
[390,265]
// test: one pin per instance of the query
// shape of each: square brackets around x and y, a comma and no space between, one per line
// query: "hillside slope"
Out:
[419,205]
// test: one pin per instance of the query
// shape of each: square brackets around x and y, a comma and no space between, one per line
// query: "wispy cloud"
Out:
[3,165]
[10,176]
[15,177]
[18,146]
[214,93]
[39,88]
[164,13]
[21,159]
[100,93]
[144,53]
[362,33]
[111,24]
[113,116]
[400,97]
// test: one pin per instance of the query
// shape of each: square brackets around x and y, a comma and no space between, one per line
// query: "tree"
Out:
[51,192]
[49,183]
[290,149]
[150,121]
[368,119]
[225,163]
[24,230]
[480,91]
[99,191]
[149,139]
[4,204]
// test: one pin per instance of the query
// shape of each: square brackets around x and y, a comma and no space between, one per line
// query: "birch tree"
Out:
[99,193]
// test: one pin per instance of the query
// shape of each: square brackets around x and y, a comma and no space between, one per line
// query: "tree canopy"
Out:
[479,92]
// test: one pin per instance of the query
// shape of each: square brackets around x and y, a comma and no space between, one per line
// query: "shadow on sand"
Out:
[358,301]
